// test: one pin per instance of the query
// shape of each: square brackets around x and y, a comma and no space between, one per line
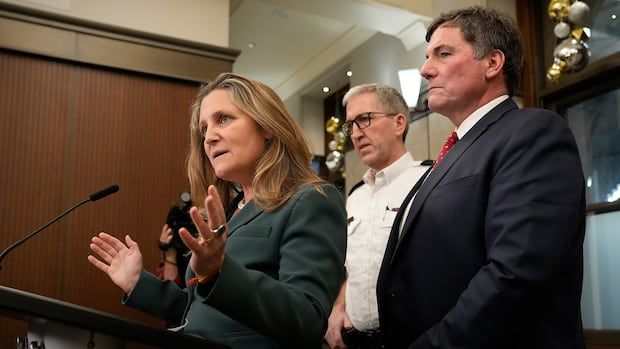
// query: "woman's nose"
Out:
[211,137]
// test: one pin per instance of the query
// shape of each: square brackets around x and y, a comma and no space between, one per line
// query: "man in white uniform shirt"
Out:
[377,123]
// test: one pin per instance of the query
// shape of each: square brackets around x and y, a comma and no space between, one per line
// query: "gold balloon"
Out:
[580,34]
[558,10]
[332,125]
[554,73]
[572,53]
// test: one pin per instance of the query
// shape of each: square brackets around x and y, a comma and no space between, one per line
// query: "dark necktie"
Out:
[446,147]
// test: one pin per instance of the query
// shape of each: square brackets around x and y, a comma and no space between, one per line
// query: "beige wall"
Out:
[203,21]
[313,125]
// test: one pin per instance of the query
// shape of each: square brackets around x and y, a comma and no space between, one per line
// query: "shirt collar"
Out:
[474,117]
[392,171]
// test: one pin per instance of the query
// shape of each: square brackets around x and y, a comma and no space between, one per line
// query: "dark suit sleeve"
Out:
[532,230]
[161,298]
[293,309]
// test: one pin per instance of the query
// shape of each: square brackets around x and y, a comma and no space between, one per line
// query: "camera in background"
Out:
[178,217]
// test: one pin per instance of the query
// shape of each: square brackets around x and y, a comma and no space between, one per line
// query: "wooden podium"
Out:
[62,325]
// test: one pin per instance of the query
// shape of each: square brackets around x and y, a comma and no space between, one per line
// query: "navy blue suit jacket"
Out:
[491,251]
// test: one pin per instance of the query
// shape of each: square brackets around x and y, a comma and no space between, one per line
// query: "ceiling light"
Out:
[349,73]
[410,83]
[251,45]
[326,89]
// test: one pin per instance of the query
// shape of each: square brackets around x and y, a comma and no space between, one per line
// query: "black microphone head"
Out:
[104,192]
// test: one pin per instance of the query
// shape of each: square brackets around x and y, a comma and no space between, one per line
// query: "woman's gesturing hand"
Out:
[122,262]
[208,248]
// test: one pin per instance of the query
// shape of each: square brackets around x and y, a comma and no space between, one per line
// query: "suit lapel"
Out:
[448,161]
[243,217]
[395,231]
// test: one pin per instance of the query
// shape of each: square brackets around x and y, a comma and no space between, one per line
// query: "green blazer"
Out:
[281,273]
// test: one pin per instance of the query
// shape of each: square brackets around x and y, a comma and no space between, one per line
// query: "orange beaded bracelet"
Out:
[204,279]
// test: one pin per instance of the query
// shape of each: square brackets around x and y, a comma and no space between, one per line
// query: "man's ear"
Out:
[400,121]
[495,64]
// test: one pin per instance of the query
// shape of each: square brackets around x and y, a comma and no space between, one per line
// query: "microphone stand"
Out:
[94,197]
[21,241]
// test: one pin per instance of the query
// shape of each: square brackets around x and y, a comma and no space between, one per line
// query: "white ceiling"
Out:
[297,42]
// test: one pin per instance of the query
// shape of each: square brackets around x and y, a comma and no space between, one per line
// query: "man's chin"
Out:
[368,159]
[435,104]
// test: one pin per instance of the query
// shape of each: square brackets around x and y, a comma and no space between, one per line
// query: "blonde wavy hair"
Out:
[285,164]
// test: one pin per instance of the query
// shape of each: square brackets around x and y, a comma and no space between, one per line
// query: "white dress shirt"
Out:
[463,128]
[371,210]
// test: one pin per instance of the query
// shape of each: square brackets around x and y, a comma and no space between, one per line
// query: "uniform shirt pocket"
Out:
[388,218]
[352,226]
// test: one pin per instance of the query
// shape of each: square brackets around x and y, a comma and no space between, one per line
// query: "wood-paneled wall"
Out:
[66,131]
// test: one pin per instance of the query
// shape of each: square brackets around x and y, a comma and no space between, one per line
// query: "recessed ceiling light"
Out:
[251,45]
[349,73]
[326,89]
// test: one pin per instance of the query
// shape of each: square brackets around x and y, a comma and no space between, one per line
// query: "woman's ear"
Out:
[268,138]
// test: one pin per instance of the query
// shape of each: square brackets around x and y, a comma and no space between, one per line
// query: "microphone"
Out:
[93,197]
[103,193]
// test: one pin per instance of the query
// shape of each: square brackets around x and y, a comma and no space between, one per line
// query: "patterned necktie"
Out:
[446,147]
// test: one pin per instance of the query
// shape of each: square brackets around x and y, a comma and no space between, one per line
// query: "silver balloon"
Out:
[575,53]
[340,137]
[578,12]
[334,161]
[332,145]
[561,30]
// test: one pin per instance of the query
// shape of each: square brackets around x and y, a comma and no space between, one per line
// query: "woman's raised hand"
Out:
[208,248]
[121,261]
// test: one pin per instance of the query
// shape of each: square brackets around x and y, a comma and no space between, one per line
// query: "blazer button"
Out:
[394,294]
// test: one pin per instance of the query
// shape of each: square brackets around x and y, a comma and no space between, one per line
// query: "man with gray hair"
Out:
[377,122]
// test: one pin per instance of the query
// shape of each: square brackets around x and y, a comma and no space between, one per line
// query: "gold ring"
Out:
[218,231]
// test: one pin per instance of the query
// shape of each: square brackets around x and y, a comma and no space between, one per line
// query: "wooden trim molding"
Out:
[33,31]
[593,75]
[603,207]
[602,337]
[530,15]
